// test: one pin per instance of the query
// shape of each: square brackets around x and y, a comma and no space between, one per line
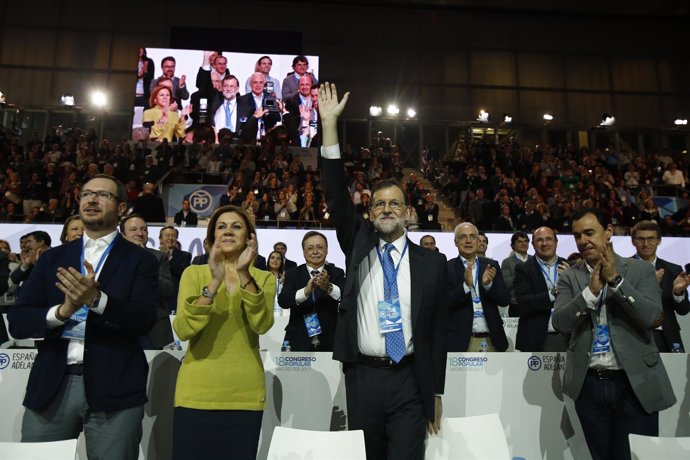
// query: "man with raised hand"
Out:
[391,331]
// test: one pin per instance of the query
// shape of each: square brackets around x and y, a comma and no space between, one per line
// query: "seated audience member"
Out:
[32,245]
[264,65]
[223,307]
[185,217]
[312,293]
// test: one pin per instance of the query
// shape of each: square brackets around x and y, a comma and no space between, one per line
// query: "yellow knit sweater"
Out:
[222,369]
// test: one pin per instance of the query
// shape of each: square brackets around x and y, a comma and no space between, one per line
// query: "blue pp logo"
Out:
[200,201]
[4,360]
[534,363]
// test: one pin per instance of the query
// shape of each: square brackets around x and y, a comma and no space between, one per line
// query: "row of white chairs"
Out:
[477,437]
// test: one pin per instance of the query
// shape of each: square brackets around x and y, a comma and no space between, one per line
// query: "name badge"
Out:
[390,318]
[313,324]
[602,340]
[430,217]
[75,326]
[283,213]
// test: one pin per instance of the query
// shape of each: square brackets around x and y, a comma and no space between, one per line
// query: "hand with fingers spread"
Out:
[330,108]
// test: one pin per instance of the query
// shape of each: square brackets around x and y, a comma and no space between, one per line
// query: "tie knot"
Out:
[314,273]
[388,247]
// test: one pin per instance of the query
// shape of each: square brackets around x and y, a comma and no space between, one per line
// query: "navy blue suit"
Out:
[323,304]
[115,367]
[461,312]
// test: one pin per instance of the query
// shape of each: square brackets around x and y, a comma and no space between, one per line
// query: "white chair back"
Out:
[478,437]
[654,448]
[294,444]
[54,450]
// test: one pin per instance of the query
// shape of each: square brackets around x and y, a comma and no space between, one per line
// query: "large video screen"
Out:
[183,94]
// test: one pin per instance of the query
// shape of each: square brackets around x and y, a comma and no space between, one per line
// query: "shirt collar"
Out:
[399,244]
[103,241]
[311,269]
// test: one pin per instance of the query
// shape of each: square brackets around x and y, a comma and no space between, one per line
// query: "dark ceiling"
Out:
[670,9]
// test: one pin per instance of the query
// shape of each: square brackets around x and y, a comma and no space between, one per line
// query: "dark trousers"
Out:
[661,344]
[608,411]
[215,434]
[387,405]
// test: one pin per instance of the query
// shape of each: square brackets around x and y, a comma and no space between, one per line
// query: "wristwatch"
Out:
[615,282]
[206,292]
[95,301]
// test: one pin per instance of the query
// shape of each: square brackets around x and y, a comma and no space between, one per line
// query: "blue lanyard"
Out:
[547,275]
[103,257]
[389,282]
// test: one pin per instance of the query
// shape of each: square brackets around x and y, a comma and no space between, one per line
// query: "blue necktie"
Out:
[395,341]
[228,115]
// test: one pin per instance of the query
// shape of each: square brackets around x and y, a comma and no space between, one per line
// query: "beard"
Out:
[389,227]
[104,220]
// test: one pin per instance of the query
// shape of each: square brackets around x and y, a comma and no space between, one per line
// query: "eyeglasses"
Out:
[642,240]
[101,195]
[394,205]
[472,237]
[546,239]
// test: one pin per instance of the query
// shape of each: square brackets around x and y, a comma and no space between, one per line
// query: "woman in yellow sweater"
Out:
[222,308]
[165,122]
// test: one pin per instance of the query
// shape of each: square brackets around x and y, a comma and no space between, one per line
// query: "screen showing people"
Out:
[206,95]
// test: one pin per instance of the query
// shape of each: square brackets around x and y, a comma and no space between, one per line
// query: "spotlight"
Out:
[411,113]
[393,110]
[67,99]
[607,120]
[548,117]
[680,121]
[99,98]
[507,118]
[375,111]
[483,116]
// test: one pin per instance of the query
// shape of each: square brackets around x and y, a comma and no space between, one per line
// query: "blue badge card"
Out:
[602,340]
[390,318]
[75,326]
[313,325]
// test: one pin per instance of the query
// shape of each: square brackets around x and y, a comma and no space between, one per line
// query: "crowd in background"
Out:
[500,187]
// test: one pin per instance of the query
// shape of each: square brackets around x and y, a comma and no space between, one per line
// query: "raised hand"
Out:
[488,275]
[249,254]
[78,289]
[469,275]
[329,106]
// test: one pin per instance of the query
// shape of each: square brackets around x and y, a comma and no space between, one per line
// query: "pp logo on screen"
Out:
[534,363]
[4,360]
[200,201]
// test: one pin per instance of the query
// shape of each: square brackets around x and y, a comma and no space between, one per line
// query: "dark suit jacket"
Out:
[4,272]
[247,123]
[357,238]
[115,367]
[200,260]
[161,332]
[534,305]
[632,312]
[289,264]
[178,262]
[150,207]
[191,220]
[670,325]
[260,262]
[325,306]
[461,311]
[293,119]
